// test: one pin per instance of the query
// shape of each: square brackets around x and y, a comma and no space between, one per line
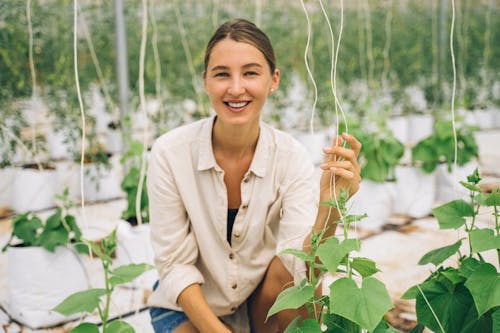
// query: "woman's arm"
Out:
[200,314]
[341,164]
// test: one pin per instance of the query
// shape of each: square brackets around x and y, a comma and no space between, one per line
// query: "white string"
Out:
[432,310]
[142,99]
[453,92]
[34,92]
[80,103]
[369,40]
[308,68]
[387,46]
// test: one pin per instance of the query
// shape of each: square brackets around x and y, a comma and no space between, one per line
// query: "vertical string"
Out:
[80,103]
[487,44]
[369,42]
[453,92]
[142,100]
[387,45]
[34,92]
[308,68]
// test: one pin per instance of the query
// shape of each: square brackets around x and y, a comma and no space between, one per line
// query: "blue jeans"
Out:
[165,320]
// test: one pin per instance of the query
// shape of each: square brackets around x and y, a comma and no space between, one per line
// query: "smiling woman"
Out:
[228,193]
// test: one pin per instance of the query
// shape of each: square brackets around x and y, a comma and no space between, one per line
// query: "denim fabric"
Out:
[165,320]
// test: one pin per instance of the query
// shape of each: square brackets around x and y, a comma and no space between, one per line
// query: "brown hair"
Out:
[241,30]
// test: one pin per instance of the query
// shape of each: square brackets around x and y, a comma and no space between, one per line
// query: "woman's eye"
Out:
[221,74]
[251,73]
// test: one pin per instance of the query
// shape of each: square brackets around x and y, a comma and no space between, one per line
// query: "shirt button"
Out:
[244,207]
[234,286]
[233,309]
[231,256]
[236,235]
[246,180]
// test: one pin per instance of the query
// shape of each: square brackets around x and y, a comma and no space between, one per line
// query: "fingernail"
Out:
[323,165]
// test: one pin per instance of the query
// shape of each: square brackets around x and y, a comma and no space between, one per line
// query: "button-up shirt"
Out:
[188,215]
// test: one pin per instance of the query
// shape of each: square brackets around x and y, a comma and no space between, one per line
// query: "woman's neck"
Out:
[235,141]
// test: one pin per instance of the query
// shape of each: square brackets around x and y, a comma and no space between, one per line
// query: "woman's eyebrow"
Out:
[222,67]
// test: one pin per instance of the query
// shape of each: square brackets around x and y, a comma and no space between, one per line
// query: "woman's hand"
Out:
[343,164]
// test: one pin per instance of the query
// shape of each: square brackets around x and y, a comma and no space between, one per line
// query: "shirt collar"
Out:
[206,158]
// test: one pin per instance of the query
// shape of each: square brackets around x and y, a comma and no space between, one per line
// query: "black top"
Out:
[231,215]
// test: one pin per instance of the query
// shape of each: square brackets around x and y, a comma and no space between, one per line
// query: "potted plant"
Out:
[87,301]
[436,153]
[462,297]
[35,245]
[356,300]
[379,157]
[133,233]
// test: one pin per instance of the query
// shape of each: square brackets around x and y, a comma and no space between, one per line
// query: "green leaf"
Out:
[411,293]
[418,329]
[82,301]
[471,187]
[85,328]
[365,306]
[25,228]
[451,215]
[293,327]
[495,316]
[127,273]
[451,307]
[364,266]
[483,240]
[292,298]
[307,257]
[331,252]
[492,199]
[339,324]
[384,327]
[50,239]
[54,220]
[484,285]
[119,326]
[469,266]
[437,256]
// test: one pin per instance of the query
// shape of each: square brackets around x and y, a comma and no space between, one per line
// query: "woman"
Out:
[229,193]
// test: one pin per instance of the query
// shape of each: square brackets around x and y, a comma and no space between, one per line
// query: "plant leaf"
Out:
[127,273]
[384,327]
[495,316]
[82,301]
[451,215]
[54,220]
[85,328]
[364,266]
[365,306]
[307,257]
[411,293]
[291,298]
[331,252]
[454,308]
[484,285]
[25,228]
[437,256]
[492,199]
[468,266]
[483,240]
[119,326]
[51,238]
[293,327]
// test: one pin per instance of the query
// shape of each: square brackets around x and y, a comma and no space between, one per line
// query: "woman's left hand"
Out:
[343,164]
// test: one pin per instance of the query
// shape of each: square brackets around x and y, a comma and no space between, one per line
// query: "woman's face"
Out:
[237,81]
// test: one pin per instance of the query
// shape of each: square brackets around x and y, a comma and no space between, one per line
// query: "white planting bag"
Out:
[33,189]
[414,192]
[373,199]
[448,186]
[39,280]
[134,246]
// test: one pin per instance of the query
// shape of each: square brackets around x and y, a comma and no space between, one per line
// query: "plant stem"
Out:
[104,316]
[497,229]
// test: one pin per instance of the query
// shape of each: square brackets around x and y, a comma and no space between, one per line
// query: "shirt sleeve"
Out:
[173,242]
[299,211]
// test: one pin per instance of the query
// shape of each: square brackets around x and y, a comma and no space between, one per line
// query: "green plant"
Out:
[60,228]
[132,160]
[439,147]
[348,308]
[380,155]
[464,298]
[91,299]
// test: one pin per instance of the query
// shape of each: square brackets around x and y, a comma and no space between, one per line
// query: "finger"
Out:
[353,142]
[349,175]
[337,164]
[339,151]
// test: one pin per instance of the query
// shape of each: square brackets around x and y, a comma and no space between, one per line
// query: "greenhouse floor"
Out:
[396,248]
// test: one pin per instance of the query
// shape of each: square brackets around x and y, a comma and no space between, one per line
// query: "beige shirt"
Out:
[188,212]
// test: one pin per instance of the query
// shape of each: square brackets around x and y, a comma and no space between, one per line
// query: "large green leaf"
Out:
[492,199]
[365,306]
[82,301]
[339,324]
[384,327]
[85,328]
[495,316]
[451,215]
[331,252]
[54,220]
[25,228]
[119,326]
[364,266]
[292,298]
[51,238]
[293,327]
[437,256]
[483,240]
[469,266]
[484,285]
[451,307]
[307,257]
[127,273]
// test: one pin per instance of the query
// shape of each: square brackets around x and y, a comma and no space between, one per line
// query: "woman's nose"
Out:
[236,87]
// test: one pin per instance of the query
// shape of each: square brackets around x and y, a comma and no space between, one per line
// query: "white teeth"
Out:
[237,105]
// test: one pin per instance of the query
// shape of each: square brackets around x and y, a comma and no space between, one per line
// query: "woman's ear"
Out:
[275,80]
